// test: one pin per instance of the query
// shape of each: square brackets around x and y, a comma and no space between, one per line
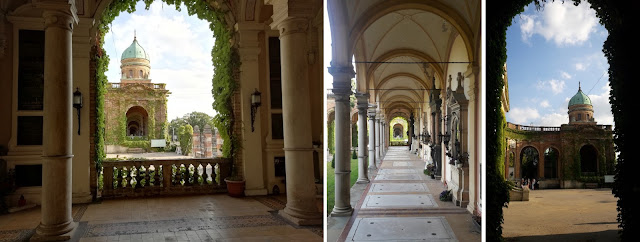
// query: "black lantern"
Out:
[255,103]
[445,138]
[77,104]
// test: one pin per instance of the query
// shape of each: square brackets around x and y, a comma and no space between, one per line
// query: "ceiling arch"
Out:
[420,16]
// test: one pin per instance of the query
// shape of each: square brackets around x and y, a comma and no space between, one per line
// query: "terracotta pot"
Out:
[235,188]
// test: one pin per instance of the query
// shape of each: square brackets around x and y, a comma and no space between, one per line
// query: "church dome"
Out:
[134,51]
[579,98]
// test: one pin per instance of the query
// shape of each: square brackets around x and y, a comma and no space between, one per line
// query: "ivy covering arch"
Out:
[618,18]
[225,59]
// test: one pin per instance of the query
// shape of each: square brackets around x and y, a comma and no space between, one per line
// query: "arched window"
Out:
[130,74]
[140,76]
[579,116]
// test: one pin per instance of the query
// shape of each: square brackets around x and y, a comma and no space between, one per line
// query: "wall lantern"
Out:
[255,103]
[445,138]
[77,104]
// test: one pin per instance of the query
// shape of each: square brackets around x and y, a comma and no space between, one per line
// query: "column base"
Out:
[344,212]
[299,219]
[362,180]
[50,233]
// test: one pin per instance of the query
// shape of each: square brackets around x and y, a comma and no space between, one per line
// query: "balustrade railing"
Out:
[533,128]
[140,178]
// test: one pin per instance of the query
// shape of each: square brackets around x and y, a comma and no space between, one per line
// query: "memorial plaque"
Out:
[31,70]
[29,130]
[28,175]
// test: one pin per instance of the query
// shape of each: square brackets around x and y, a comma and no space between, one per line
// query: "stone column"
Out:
[362,136]
[372,138]
[301,205]
[342,89]
[249,51]
[57,222]
[378,139]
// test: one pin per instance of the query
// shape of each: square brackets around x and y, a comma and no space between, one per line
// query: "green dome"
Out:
[579,98]
[134,51]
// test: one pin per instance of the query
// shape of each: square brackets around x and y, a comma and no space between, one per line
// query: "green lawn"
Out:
[331,182]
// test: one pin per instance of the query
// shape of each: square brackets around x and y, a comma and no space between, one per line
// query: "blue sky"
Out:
[180,54]
[548,53]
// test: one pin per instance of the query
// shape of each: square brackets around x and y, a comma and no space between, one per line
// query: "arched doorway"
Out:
[588,160]
[397,131]
[551,162]
[137,120]
[512,161]
[529,162]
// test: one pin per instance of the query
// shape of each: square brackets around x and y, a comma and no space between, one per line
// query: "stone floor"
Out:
[562,215]
[186,218]
[402,204]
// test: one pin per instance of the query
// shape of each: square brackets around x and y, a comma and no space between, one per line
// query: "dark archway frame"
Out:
[618,18]
[536,164]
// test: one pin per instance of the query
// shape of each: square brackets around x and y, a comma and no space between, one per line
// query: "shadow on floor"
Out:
[607,235]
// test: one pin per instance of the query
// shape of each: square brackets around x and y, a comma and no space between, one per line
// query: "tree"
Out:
[193,119]
[185,134]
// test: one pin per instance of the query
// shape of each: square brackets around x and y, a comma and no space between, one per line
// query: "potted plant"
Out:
[235,182]
[430,171]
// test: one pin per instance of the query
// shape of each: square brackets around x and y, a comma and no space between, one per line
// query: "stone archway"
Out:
[398,131]
[551,157]
[137,120]
[529,160]
[588,160]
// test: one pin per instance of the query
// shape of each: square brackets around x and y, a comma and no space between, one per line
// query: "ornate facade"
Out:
[562,157]
[135,108]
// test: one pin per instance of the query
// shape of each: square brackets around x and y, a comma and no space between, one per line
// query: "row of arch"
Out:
[530,167]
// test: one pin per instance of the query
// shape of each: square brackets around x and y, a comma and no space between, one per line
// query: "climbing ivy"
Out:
[225,59]
[618,18]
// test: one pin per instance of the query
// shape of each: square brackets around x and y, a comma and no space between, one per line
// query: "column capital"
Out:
[342,71]
[293,26]
[341,81]
[288,9]
[58,19]
[362,100]
[55,9]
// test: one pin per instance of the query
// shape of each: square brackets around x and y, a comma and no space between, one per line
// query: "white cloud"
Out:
[580,67]
[553,85]
[544,104]
[563,23]
[565,75]
[523,115]
[601,107]
[553,119]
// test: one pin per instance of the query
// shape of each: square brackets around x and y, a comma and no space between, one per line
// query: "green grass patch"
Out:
[331,180]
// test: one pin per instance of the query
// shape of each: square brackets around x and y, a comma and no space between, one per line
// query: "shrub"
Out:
[446,195]
[333,162]
[354,155]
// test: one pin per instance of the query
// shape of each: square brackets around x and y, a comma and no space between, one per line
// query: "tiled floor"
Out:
[401,204]
[188,218]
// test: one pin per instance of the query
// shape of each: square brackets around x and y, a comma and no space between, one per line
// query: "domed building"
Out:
[579,154]
[581,109]
[135,108]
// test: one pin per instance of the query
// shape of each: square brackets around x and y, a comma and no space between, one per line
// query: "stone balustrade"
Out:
[142,178]
[147,84]
[532,128]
